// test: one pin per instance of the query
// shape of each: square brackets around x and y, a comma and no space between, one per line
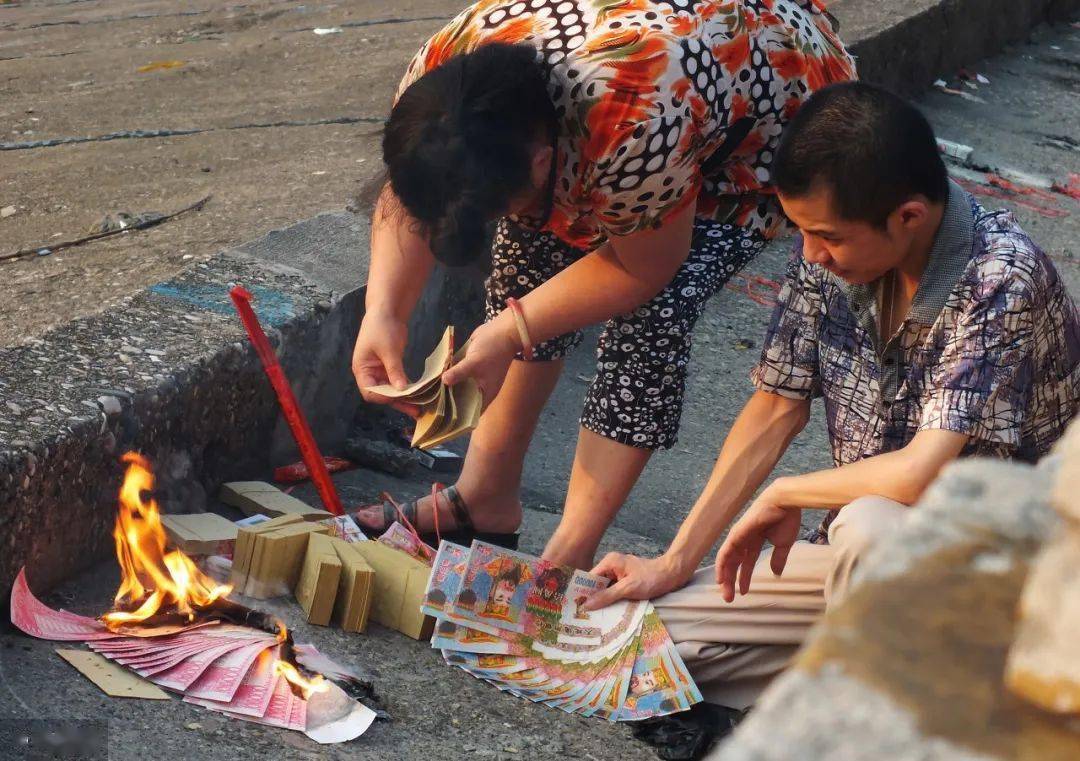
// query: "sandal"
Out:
[464,533]
[687,736]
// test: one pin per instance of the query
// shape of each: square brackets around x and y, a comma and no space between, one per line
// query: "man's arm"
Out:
[902,476]
[760,436]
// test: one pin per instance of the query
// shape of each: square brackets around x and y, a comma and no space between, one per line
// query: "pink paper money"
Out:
[225,668]
[183,674]
[222,678]
[33,617]
[284,709]
[253,696]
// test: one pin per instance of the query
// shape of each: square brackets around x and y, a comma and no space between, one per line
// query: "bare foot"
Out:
[567,547]
[582,560]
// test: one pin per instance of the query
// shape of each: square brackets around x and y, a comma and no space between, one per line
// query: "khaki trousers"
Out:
[733,650]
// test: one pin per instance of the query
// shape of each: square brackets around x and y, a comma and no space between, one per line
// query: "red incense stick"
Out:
[309,450]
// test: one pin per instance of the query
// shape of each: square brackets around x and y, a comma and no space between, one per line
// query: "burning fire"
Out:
[292,674]
[294,677]
[169,586]
[152,581]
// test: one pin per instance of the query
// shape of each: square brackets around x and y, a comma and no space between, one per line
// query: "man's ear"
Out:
[912,213]
[541,166]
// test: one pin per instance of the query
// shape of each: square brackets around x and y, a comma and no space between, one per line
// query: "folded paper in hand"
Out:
[446,412]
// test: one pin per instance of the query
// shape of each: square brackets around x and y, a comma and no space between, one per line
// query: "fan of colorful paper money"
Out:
[236,670]
[446,412]
[517,622]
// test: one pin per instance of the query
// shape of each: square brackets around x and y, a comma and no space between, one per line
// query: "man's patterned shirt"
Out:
[990,347]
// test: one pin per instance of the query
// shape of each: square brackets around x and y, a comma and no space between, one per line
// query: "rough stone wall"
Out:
[910,666]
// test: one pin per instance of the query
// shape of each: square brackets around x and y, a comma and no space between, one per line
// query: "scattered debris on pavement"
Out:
[160,66]
[142,222]
[298,471]
[1037,193]
[761,290]
[124,220]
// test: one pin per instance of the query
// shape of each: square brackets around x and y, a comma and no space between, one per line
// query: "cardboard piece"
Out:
[446,412]
[113,679]
[253,497]
[400,582]
[356,588]
[317,587]
[200,533]
[269,556]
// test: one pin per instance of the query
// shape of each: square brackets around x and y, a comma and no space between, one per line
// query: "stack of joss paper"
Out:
[446,412]
[517,622]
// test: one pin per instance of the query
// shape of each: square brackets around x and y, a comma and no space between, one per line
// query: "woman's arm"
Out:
[618,277]
[401,261]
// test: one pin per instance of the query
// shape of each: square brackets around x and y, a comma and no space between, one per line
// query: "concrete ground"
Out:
[70,69]
[1028,123]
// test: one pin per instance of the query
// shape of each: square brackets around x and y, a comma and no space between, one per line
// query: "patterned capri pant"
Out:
[636,397]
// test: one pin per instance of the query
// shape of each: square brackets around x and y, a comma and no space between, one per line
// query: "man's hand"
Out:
[377,357]
[635,578]
[737,556]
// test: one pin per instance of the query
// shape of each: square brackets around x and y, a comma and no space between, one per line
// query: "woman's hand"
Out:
[764,520]
[377,358]
[636,578]
[491,349]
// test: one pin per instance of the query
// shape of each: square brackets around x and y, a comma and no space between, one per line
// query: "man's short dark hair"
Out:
[872,149]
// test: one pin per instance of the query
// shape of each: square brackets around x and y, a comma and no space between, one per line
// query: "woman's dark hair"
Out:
[872,149]
[457,143]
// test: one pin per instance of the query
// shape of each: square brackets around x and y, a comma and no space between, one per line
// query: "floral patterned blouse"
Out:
[661,104]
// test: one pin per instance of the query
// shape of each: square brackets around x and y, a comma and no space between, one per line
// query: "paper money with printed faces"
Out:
[518,623]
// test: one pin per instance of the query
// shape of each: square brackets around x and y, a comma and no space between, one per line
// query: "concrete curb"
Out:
[168,371]
[906,46]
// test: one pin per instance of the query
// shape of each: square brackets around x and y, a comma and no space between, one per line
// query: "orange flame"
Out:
[152,580]
[292,674]
[294,677]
